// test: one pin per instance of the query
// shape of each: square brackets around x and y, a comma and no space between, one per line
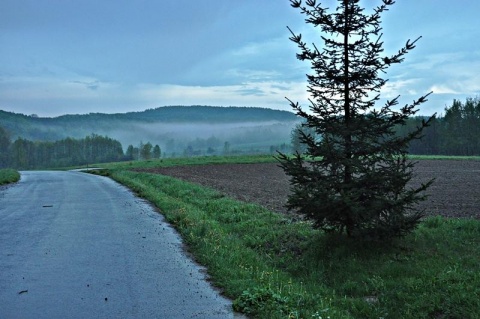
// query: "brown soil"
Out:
[455,192]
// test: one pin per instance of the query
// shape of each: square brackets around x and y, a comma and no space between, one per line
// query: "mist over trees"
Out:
[175,129]
[457,132]
[143,152]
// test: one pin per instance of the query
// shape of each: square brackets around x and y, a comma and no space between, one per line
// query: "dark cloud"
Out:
[89,85]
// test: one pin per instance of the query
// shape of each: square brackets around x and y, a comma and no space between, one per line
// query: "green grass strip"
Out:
[200,160]
[273,267]
[8,176]
[444,157]
[233,159]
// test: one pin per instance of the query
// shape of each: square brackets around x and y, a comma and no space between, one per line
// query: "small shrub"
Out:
[8,176]
[251,301]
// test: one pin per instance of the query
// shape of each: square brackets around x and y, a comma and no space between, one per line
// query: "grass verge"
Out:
[8,176]
[274,268]
[444,157]
[199,160]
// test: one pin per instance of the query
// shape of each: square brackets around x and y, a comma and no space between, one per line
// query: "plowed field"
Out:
[455,192]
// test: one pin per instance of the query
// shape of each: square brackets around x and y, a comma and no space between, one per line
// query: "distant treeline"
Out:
[25,154]
[456,133]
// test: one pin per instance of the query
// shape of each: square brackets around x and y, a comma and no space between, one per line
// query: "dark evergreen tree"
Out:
[461,125]
[146,151]
[130,155]
[4,148]
[354,179]
[296,138]
[22,154]
[157,152]
[453,124]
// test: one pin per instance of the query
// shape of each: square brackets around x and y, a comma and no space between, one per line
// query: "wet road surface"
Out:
[74,245]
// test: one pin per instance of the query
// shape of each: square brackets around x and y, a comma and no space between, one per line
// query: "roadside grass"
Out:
[8,176]
[444,157]
[181,161]
[228,159]
[273,267]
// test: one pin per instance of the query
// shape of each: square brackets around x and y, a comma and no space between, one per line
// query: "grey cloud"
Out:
[94,85]
[251,91]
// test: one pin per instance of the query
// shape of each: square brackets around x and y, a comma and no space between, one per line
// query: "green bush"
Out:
[8,176]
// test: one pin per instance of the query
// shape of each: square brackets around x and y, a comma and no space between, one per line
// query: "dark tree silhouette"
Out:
[25,154]
[146,151]
[157,151]
[354,176]
[4,147]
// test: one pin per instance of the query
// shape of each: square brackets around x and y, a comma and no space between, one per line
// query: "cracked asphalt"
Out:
[75,245]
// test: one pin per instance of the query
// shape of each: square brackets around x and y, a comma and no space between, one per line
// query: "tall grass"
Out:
[8,176]
[273,267]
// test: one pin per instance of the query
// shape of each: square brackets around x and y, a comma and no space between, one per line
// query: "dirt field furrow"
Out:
[455,192]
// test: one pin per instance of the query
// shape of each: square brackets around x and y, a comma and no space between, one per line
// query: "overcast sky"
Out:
[80,56]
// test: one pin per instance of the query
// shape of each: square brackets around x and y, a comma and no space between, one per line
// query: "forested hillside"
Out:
[178,130]
[31,142]
[37,128]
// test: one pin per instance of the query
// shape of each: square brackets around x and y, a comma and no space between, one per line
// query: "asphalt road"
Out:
[74,245]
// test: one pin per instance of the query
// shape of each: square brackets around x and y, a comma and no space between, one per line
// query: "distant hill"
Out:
[176,124]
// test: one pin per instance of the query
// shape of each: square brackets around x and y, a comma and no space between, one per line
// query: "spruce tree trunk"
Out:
[348,137]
